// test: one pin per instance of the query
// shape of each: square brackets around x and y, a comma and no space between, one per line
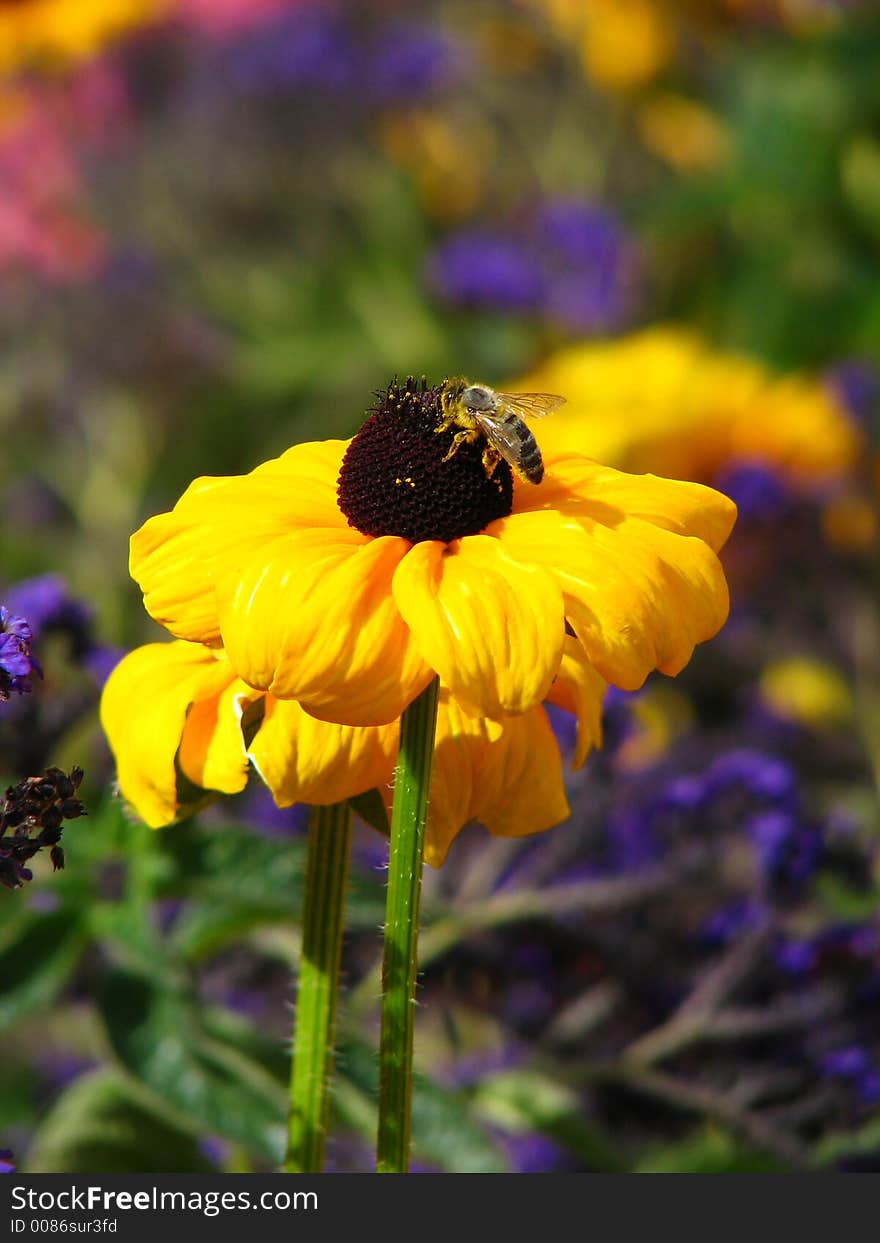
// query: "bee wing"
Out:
[501,438]
[531,405]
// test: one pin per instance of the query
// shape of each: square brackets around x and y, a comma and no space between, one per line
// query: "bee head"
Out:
[477,397]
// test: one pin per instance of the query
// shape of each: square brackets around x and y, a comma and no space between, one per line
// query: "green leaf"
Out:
[524,1100]
[36,962]
[864,1141]
[101,1124]
[707,1150]
[211,1086]
[127,929]
[246,881]
[235,867]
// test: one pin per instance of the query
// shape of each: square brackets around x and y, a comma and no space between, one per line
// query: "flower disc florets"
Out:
[394,480]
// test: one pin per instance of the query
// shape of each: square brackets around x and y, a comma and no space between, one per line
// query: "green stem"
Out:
[318,987]
[400,963]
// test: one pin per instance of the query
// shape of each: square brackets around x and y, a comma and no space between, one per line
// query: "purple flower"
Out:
[309,49]
[215,1149]
[795,957]
[408,62]
[617,718]
[17,664]
[258,809]
[529,1152]
[569,261]
[6,1161]
[590,263]
[848,1063]
[564,726]
[762,776]
[50,608]
[101,660]
[485,271]
[837,945]
[632,843]
[868,1087]
[731,921]
[759,492]
[787,850]
[856,384]
[681,793]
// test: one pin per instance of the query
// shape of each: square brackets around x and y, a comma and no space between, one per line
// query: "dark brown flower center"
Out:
[394,480]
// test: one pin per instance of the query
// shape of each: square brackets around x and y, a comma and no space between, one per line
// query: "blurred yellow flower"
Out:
[447,162]
[626,44]
[622,43]
[173,710]
[810,692]
[661,399]
[682,132]
[345,575]
[659,716]
[851,523]
[57,32]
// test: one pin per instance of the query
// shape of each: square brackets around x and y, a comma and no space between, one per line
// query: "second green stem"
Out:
[323,919]
[400,962]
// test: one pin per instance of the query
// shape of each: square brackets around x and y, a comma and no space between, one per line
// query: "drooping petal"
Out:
[178,557]
[491,625]
[580,690]
[507,775]
[638,597]
[579,487]
[212,751]
[303,760]
[311,617]
[143,710]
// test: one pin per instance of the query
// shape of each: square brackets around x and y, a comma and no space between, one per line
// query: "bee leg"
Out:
[444,425]
[459,439]
[491,458]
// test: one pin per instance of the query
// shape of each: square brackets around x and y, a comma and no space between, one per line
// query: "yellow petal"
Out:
[507,775]
[311,617]
[212,751]
[637,596]
[303,760]
[143,710]
[579,689]
[178,557]
[579,487]
[491,626]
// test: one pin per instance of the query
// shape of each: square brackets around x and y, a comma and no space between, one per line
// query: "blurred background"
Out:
[223,225]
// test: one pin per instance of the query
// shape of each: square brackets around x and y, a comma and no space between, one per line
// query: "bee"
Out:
[478,411]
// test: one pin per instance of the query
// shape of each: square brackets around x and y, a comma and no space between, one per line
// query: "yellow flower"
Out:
[662,398]
[423,564]
[851,523]
[57,32]
[659,717]
[447,159]
[626,42]
[684,133]
[177,710]
[808,691]
[622,43]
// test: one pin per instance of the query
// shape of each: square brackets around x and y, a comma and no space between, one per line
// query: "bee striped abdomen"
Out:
[530,464]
